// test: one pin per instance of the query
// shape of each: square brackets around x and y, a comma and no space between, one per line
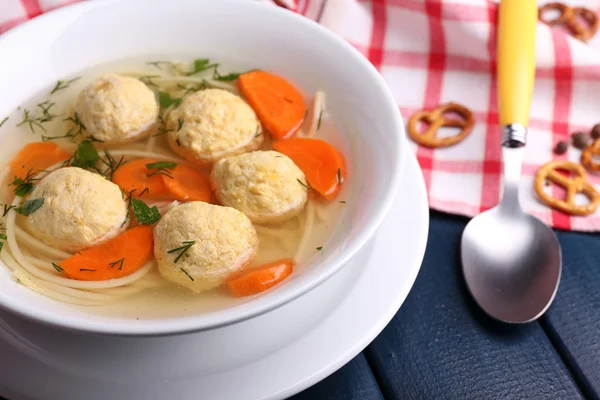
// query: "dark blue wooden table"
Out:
[441,346]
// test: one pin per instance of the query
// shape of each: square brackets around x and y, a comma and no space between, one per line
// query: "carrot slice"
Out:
[322,164]
[277,103]
[115,258]
[35,157]
[261,279]
[133,175]
[188,184]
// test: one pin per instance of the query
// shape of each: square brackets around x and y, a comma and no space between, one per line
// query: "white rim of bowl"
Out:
[271,301]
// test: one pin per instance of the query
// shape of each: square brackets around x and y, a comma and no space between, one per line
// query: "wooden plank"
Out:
[573,320]
[440,345]
[354,381]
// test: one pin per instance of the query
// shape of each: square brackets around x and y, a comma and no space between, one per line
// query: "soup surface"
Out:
[71,270]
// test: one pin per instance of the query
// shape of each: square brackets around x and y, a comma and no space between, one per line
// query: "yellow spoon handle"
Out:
[516,59]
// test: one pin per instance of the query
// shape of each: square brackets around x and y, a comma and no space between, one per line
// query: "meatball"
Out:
[265,185]
[117,109]
[198,245]
[211,124]
[80,209]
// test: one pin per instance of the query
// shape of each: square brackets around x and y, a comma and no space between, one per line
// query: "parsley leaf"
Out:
[86,155]
[30,206]
[144,214]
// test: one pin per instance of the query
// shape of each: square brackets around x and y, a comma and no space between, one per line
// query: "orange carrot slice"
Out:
[277,103]
[322,164]
[188,184]
[133,175]
[260,279]
[35,157]
[116,258]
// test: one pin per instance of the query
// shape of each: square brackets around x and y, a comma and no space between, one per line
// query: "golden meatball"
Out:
[117,109]
[198,245]
[80,209]
[211,124]
[264,185]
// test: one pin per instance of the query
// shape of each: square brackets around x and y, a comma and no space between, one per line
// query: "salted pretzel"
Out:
[436,120]
[587,156]
[573,185]
[569,19]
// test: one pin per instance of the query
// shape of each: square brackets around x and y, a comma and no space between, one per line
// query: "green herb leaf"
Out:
[342,201]
[87,269]
[60,85]
[179,124]
[303,184]
[319,248]
[144,214]
[202,64]
[188,274]
[257,133]
[86,155]
[7,208]
[119,263]
[319,121]
[111,164]
[182,250]
[24,186]
[161,164]
[30,206]
[3,121]
[165,100]
[57,267]
[225,78]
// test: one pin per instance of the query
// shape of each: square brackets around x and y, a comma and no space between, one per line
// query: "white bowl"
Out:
[64,42]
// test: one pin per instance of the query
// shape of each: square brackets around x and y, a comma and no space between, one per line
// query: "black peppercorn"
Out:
[596,131]
[561,147]
[580,140]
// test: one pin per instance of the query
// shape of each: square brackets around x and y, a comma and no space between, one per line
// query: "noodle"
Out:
[30,259]
[308,225]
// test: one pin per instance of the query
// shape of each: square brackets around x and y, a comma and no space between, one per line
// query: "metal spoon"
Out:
[511,260]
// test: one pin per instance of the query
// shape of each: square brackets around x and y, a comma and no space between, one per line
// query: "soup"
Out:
[173,189]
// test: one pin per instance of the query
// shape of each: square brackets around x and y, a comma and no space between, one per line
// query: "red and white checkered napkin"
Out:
[434,51]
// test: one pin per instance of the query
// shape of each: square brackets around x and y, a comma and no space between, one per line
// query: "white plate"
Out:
[383,275]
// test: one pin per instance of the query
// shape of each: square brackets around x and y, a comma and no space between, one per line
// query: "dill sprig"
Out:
[303,184]
[77,129]
[147,80]
[57,267]
[119,263]
[60,84]
[47,114]
[31,120]
[182,250]
[3,121]
[7,208]
[129,201]
[161,168]
[111,164]
[319,121]
[187,273]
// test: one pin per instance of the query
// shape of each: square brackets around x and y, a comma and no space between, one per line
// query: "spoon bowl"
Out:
[512,264]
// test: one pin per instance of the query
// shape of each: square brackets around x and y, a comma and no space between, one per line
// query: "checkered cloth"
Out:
[433,51]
